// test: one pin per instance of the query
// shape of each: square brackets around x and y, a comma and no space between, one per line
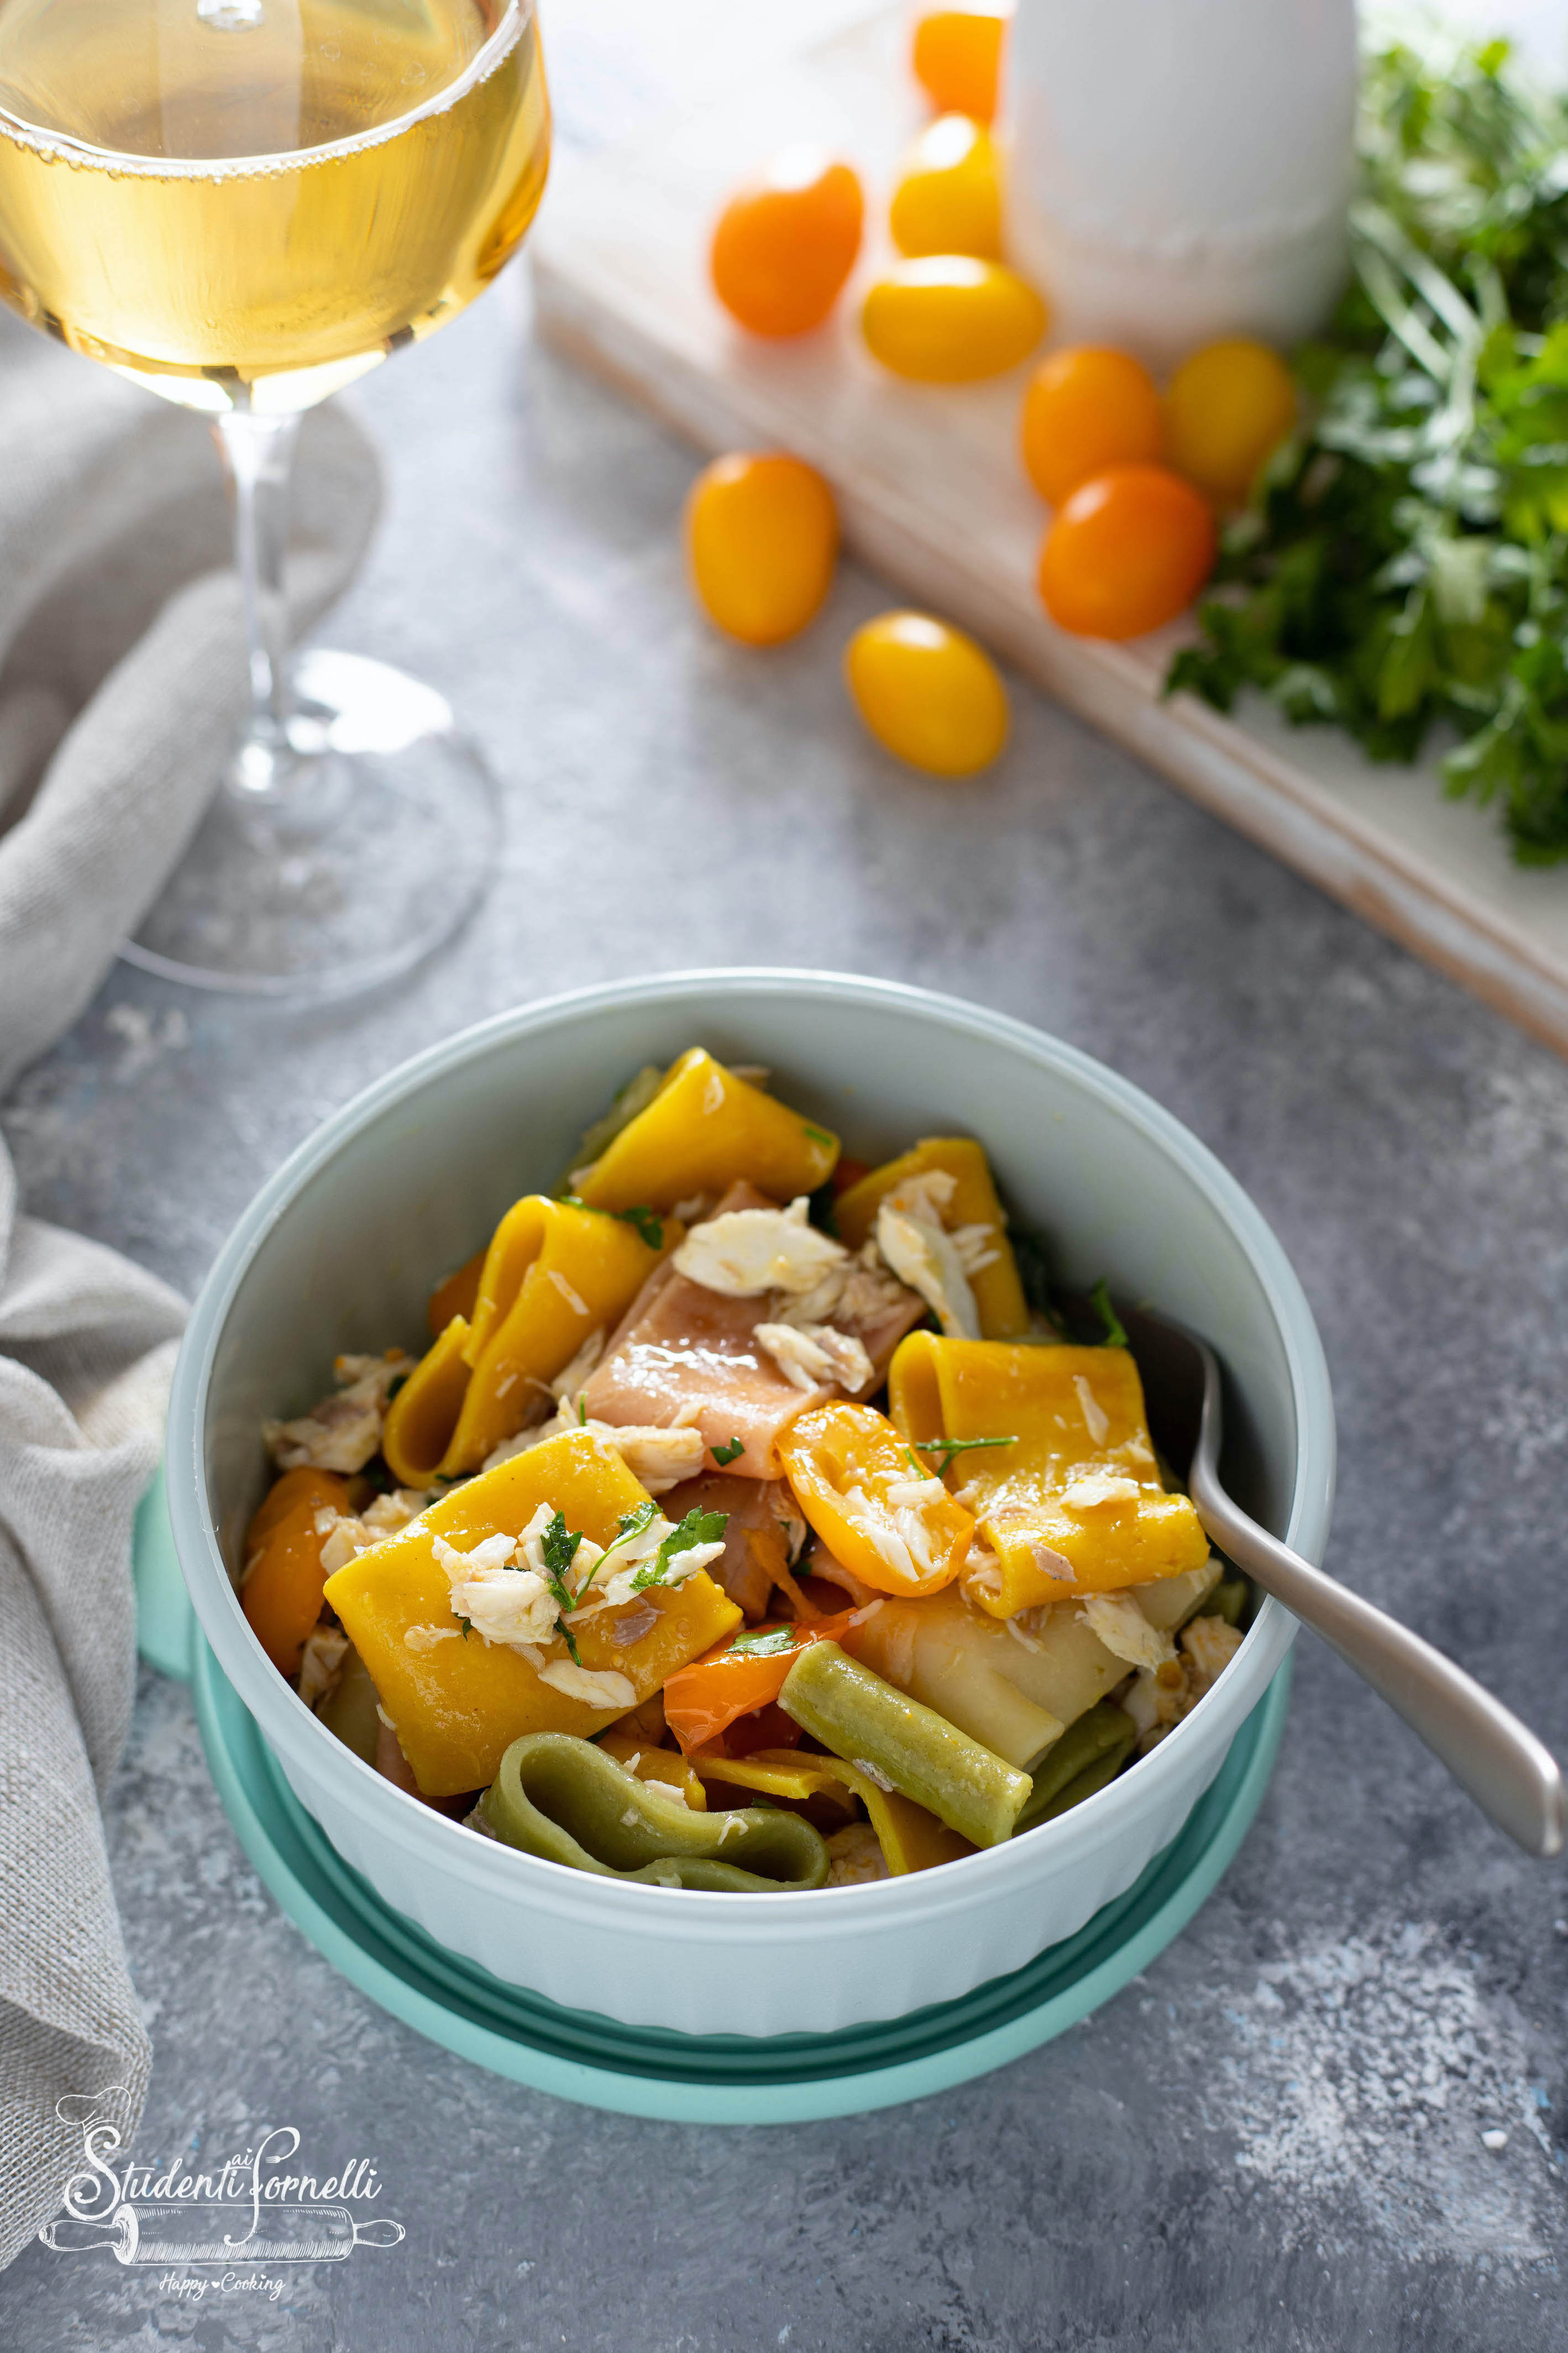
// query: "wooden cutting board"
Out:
[932,497]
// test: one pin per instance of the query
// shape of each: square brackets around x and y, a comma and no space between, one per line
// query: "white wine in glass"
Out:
[244,204]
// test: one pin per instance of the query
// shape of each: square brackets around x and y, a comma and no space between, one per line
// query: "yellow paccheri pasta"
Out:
[971,1207]
[457,1699]
[1075,1502]
[704,1131]
[555,1274]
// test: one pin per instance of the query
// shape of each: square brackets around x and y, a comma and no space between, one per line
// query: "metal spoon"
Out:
[1507,1771]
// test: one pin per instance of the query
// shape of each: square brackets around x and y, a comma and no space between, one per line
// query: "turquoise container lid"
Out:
[648,2070]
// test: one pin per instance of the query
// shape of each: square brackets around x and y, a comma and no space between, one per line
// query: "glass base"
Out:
[341,861]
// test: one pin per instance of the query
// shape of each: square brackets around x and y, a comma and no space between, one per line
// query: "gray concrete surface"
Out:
[1274,2139]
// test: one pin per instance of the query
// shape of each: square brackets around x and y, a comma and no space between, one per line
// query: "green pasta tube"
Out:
[567,1801]
[873,1725]
[1229,1600]
[1094,1777]
[1093,1751]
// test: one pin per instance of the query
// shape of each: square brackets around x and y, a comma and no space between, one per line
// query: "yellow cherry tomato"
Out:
[784,247]
[1084,410]
[762,535]
[948,319]
[1227,408]
[957,57]
[949,197]
[927,692]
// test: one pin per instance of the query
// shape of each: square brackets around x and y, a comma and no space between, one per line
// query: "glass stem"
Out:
[258,453]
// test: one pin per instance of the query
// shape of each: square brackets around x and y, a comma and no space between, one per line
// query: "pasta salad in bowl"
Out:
[728,1579]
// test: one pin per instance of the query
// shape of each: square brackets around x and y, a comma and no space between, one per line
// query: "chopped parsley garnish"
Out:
[558,1547]
[630,1523]
[817,1134]
[1115,1336]
[767,1642]
[948,1447]
[695,1528]
[468,1626]
[582,1411]
[731,1453]
[558,1550]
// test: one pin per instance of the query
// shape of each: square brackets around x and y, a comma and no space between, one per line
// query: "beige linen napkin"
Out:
[122,672]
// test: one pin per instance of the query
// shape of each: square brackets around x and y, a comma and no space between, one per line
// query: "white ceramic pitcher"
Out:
[1180,169]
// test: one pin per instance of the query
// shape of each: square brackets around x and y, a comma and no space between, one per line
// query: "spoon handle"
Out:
[1510,1774]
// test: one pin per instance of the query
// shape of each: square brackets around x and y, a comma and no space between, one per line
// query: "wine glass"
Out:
[244,204]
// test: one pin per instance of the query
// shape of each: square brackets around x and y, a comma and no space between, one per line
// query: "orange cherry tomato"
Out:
[761,536]
[957,58]
[1084,410]
[784,246]
[1129,552]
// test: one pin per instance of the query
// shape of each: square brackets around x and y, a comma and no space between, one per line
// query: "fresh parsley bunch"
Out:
[1404,568]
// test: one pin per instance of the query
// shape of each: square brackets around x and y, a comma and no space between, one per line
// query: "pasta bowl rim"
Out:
[673,1912]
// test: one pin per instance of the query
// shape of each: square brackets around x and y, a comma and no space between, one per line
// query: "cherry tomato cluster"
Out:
[762,538]
[1133,476]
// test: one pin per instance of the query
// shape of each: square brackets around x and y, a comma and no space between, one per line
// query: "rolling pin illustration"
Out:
[210,2233]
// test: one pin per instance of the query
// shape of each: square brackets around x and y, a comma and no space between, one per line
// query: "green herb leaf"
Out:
[948,1447]
[695,1528]
[818,1134]
[558,1547]
[630,1523]
[558,1550]
[1403,568]
[730,1454]
[767,1642]
[1115,1337]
